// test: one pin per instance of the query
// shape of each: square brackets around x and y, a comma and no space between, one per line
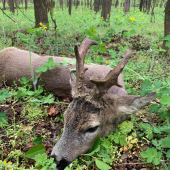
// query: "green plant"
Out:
[43,163]
[152,155]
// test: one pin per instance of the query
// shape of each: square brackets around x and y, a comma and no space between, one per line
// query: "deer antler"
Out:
[80,56]
[110,79]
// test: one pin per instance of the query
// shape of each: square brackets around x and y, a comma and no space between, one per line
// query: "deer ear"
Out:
[131,104]
[73,82]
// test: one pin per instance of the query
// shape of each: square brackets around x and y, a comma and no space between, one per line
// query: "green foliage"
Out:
[3,94]
[129,33]
[3,117]
[152,155]
[167,44]
[43,163]
[37,149]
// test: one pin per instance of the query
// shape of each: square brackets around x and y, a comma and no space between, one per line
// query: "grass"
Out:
[26,117]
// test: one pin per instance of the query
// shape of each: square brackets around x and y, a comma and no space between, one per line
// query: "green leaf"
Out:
[145,92]
[156,161]
[150,159]
[39,33]
[38,149]
[66,61]
[167,44]
[3,117]
[156,130]
[160,49]
[166,142]
[3,94]
[38,141]
[146,85]
[30,93]
[157,84]
[102,165]
[168,154]
[95,147]
[50,60]
[154,108]
[167,38]
[165,90]
[165,100]
[144,154]
[29,30]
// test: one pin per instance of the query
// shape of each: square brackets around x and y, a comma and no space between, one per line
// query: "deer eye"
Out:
[92,129]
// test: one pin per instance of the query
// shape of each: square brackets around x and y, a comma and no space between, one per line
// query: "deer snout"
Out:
[61,162]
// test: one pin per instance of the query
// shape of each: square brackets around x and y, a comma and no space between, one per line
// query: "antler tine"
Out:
[80,56]
[110,79]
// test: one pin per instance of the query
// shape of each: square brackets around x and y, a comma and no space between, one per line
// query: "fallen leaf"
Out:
[52,111]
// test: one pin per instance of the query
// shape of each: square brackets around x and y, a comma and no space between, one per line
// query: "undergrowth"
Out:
[144,137]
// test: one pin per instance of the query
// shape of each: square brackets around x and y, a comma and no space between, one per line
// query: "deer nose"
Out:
[60,161]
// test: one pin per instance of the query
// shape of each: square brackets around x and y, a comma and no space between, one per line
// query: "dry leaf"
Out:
[52,111]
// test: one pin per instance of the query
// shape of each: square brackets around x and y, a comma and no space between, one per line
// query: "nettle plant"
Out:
[160,134]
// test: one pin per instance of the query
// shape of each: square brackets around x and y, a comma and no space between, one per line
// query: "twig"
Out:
[24,14]
[55,26]
[140,163]
[8,15]
[166,75]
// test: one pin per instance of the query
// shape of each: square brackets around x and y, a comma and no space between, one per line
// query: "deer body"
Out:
[94,112]
[15,63]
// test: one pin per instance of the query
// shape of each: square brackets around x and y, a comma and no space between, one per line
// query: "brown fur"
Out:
[15,63]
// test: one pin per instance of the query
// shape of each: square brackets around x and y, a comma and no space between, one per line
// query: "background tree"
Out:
[166,23]
[106,9]
[40,11]
[11,5]
[126,6]
[69,7]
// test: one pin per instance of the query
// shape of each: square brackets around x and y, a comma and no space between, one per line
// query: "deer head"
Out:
[93,112]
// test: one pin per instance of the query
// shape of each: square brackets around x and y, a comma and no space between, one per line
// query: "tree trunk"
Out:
[166,23]
[90,4]
[149,5]
[26,4]
[40,11]
[126,6]
[96,5]
[70,5]
[87,3]
[106,8]
[61,4]
[117,3]
[3,1]
[152,13]
[141,4]
[52,6]
[11,2]
[16,4]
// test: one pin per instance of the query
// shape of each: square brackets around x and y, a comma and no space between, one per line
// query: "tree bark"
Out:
[11,2]
[40,11]
[61,4]
[96,5]
[117,3]
[3,1]
[70,5]
[90,4]
[25,4]
[141,4]
[166,23]
[126,6]
[149,6]
[152,13]
[106,9]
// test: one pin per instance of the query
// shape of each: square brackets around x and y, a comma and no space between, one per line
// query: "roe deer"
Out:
[15,63]
[94,112]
